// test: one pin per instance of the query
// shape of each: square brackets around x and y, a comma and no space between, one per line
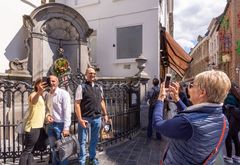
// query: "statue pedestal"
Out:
[20,76]
[18,72]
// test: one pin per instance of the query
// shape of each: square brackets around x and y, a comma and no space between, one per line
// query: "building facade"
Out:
[122,31]
[200,55]
[220,47]
[229,40]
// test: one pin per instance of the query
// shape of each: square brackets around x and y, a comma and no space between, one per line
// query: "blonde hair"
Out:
[215,83]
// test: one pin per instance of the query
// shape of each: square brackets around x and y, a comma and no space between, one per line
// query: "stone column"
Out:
[143,78]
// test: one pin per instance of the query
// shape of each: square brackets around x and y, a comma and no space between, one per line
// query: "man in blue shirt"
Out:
[151,97]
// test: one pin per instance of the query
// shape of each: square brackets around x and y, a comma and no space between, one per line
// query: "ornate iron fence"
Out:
[122,101]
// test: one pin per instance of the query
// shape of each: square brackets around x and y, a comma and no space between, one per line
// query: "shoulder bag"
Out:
[67,146]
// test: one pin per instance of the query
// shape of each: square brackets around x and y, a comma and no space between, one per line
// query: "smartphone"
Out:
[168,78]
[47,81]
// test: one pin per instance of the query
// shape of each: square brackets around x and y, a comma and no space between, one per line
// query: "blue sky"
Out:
[192,18]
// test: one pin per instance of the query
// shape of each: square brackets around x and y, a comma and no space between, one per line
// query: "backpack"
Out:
[153,99]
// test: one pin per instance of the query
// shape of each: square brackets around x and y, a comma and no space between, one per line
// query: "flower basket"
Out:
[61,66]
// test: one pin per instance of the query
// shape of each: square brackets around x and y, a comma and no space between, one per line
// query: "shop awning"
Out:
[173,55]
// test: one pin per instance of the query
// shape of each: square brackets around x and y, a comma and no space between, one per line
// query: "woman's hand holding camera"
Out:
[41,88]
[174,91]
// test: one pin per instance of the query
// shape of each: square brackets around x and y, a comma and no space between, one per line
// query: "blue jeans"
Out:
[54,134]
[150,127]
[95,124]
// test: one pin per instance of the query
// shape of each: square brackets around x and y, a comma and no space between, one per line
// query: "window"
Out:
[129,42]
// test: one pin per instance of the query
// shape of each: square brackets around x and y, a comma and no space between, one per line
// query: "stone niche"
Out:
[50,27]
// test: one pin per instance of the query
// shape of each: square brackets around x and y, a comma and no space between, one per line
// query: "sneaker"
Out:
[228,159]
[236,159]
[92,162]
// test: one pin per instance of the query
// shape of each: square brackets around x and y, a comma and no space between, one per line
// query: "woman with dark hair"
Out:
[231,109]
[34,121]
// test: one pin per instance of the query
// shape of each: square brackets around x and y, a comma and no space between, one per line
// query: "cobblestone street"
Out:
[138,151]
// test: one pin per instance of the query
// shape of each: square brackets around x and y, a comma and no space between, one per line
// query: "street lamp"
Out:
[141,64]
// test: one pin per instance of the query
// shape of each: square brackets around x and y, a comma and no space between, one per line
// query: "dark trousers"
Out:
[150,127]
[234,128]
[30,140]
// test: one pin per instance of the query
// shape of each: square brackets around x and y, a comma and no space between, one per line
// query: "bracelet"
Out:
[105,114]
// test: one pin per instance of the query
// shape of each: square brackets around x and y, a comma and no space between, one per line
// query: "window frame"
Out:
[129,59]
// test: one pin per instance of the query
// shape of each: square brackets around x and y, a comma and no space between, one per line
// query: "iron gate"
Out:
[122,100]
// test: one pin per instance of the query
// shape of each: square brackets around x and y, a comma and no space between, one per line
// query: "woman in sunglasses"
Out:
[197,132]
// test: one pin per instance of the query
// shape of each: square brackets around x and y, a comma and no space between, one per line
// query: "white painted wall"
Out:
[12,33]
[102,15]
[105,16]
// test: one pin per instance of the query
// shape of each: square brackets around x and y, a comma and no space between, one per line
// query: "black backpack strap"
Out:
[152,97]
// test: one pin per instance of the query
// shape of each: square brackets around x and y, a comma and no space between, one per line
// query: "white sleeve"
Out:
[78,93]
[67,110]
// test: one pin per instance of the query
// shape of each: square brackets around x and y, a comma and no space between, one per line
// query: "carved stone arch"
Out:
[50,27]
[56,10]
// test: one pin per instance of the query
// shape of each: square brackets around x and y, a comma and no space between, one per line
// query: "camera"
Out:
[47,81]
[168,78]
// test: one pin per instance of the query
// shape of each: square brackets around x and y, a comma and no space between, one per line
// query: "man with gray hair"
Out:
[89,107]
[58,115]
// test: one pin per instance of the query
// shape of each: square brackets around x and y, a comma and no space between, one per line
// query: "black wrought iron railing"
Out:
[122,100]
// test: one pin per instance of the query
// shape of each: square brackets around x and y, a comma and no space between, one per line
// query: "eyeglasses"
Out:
[191,84]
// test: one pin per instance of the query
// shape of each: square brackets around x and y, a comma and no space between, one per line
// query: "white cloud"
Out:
[192,18]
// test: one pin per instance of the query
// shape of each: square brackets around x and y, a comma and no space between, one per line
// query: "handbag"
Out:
[66,147]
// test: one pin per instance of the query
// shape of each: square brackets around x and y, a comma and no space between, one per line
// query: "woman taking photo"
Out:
[196,133]
[34,121]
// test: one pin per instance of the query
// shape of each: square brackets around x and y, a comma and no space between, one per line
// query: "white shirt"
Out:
[59,106]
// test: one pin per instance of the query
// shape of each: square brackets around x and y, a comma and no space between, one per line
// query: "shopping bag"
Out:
[20,128]
[66,147]
[106,130]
